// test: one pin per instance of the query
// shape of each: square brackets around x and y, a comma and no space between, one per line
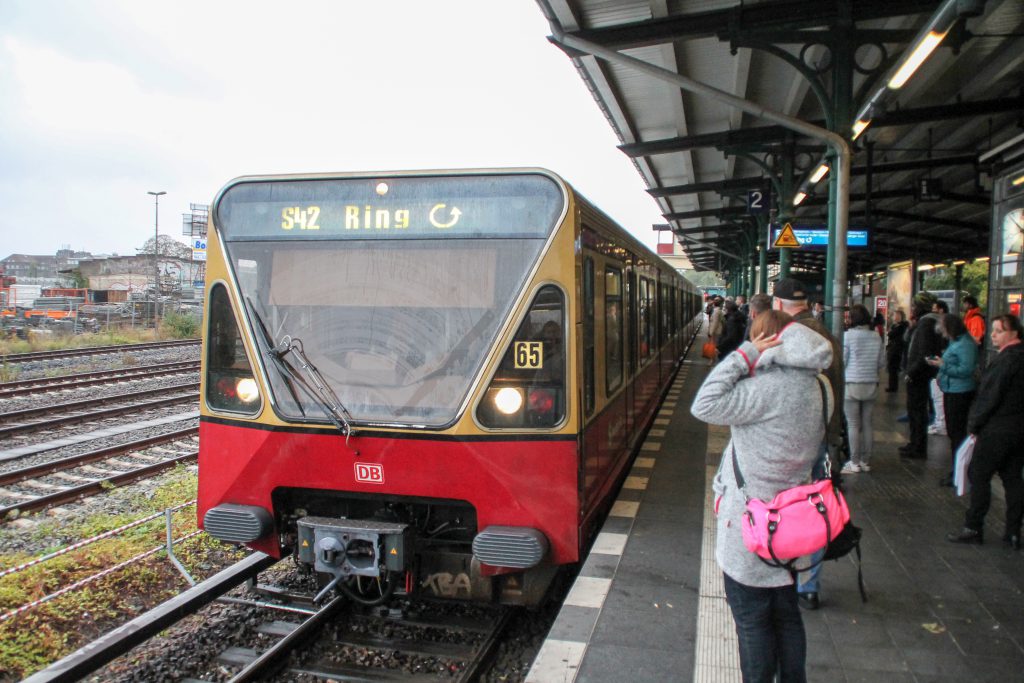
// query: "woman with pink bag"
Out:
[765,391]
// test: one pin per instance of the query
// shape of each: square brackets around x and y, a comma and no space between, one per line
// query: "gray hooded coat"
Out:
[772,404]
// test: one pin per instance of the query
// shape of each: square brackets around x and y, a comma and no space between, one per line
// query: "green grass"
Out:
[179,326]
[31,640]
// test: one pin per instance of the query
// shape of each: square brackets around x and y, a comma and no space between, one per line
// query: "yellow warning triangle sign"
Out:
[787,238]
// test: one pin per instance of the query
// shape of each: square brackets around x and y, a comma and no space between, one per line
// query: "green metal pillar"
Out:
[762,255]
[786,184]
[842,48]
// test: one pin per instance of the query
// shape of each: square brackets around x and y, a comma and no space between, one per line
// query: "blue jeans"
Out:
[770,632]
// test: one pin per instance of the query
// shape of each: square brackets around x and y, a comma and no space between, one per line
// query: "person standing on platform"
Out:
[956,379]
[791,297]
[716,323]
[818,312]
[759,303]
[741,302]
[734,325]
[878,324]
[864,358]
[760,391]
[974,320]
[895,349]
[925,342]
[938,425]
[995,419]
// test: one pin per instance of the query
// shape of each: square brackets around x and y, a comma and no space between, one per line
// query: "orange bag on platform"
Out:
[708,350]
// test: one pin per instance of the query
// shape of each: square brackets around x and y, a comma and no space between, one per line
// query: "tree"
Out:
[169,247]
[974,280]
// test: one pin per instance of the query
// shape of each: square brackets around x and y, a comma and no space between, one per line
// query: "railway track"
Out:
[94,350]
[349,642]
[60,481]
[339,641]
[88,379]
[43,419]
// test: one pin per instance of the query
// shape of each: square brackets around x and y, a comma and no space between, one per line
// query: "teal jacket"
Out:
[956,376]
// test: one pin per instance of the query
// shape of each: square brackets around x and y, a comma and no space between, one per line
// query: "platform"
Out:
[649,604]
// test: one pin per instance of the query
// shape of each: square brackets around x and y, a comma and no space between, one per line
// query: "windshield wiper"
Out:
[321,394]
[284,368]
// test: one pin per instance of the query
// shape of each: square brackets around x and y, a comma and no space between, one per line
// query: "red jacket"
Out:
[975,323]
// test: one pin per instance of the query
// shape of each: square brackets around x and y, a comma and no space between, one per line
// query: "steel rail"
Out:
[93,402]
[95,486]
[91,657]
[93,350]
[274,658]
[88,379]
[14,476]
[96,415]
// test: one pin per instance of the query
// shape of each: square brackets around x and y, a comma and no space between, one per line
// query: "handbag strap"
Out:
[740,482]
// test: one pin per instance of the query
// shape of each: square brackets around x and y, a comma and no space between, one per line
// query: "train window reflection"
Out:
[398,329]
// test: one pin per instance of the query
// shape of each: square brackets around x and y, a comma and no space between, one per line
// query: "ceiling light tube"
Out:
[1018,181]
[859,127]
[819,173]
[921,52]
[959,263]
[924,266]
[800,196]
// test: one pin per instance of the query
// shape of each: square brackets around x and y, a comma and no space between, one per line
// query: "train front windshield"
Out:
[396,287]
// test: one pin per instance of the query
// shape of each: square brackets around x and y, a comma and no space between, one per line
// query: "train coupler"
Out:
[347,547]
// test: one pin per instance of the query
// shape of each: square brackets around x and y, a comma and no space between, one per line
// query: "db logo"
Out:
[371,474]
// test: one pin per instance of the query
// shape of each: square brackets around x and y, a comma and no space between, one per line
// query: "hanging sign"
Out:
[786,239]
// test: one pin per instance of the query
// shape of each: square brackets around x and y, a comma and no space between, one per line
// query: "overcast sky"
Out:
[102,101]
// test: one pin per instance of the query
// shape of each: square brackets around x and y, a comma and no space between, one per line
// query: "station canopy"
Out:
[920,183]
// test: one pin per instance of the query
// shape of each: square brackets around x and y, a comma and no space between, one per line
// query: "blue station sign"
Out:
[815,236]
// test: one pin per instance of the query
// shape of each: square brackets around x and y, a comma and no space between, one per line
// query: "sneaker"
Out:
[852,468]
[864,467]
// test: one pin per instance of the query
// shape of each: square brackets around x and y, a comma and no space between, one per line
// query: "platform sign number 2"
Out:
[529,355]
[757,202]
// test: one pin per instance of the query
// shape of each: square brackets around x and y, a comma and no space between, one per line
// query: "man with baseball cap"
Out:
[791,297]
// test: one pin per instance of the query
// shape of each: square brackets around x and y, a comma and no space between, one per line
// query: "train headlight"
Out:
[247,390]
[508,400]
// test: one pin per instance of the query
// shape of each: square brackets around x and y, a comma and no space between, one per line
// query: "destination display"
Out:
[390,208]
[815,236]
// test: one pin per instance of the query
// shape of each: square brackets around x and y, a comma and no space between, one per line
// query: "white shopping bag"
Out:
[961,463]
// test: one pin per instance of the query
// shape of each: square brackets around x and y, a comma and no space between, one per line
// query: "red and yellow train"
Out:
[430,381]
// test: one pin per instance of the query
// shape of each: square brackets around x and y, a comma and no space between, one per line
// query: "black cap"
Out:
[790,289]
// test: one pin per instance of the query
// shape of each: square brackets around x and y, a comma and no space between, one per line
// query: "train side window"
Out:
[230,384]
[613,329]
[647,317]
[588,335]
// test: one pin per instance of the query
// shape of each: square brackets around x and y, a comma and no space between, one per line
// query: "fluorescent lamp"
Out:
[981,260]
[1017,181]
[916,59]
[859,127]
[819,173]
[800,196]
[959,263]
[924,267]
